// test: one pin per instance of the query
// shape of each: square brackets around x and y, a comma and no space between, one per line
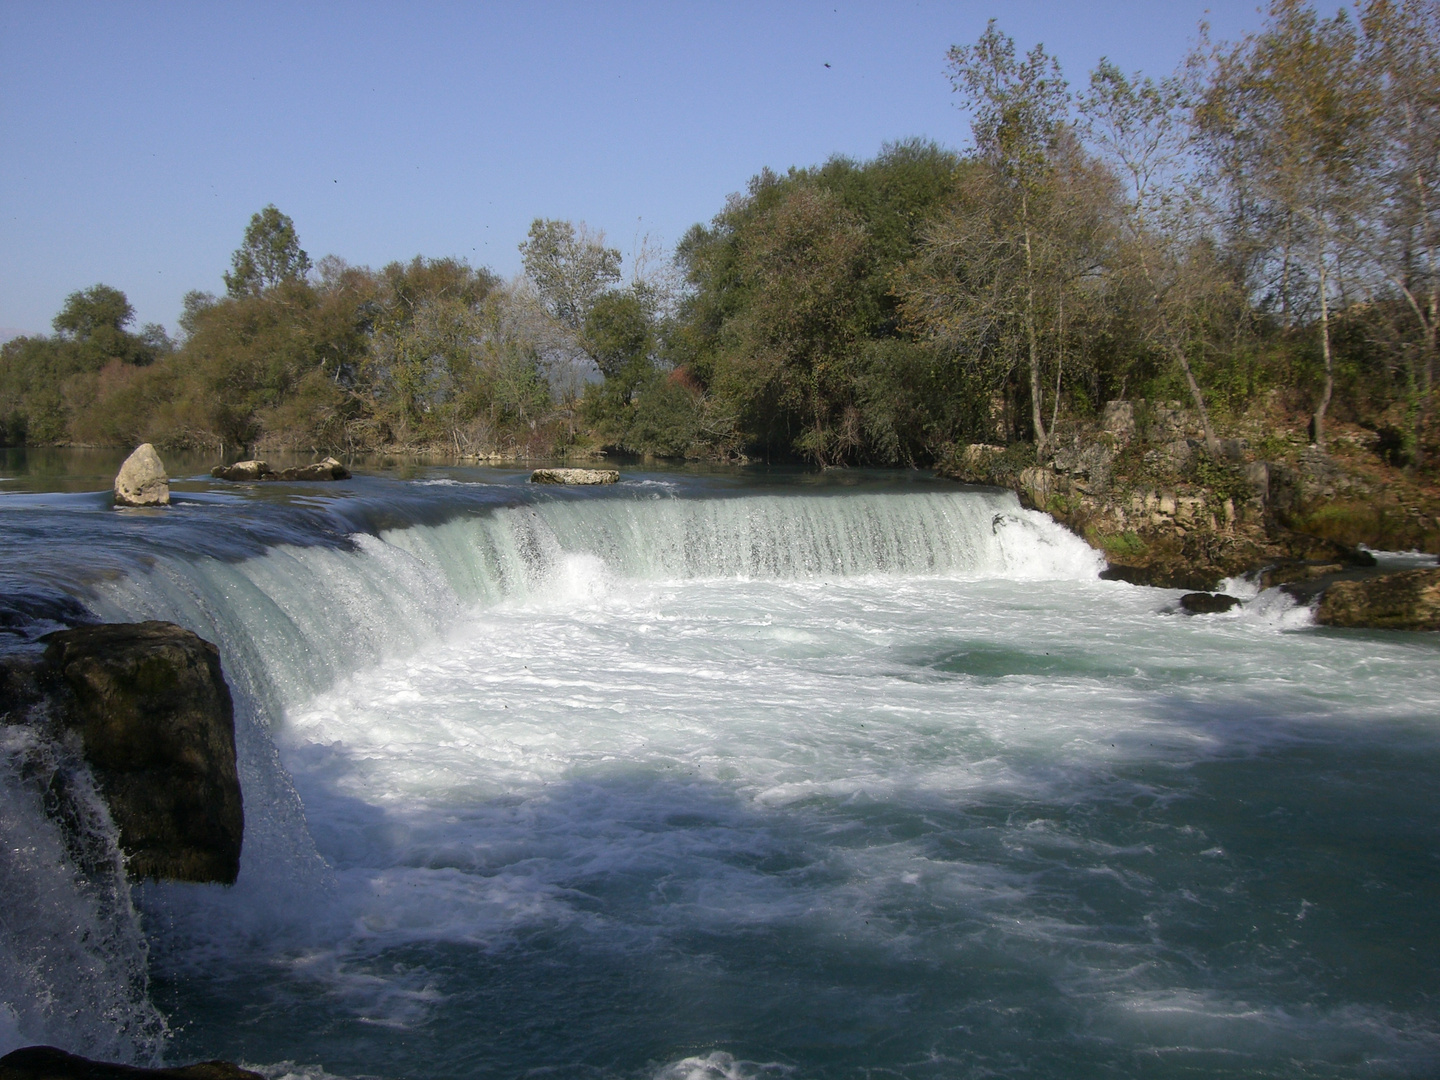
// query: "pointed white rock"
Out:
[142,480]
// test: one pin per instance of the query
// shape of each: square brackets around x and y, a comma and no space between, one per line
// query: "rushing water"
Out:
[719,776]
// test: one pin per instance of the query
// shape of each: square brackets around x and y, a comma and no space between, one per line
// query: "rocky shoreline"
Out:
[1141,486]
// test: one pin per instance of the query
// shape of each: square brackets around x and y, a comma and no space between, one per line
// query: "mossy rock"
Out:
[1408,600]
[157,727]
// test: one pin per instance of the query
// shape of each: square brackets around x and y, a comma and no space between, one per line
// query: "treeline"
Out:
[1263,226]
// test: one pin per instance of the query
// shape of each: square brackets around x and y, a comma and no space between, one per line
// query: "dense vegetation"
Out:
[1263,227]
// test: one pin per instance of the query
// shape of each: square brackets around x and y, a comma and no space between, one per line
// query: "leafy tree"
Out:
[1019,112]
[1288,118]
[791,334]
[94,310]
[570,268]
[1004,277]
[1401,42]
[269,256]
[1165,261]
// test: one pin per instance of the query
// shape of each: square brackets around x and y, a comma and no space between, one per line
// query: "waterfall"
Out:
[292,617]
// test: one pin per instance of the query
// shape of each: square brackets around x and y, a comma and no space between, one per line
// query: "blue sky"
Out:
[136,139]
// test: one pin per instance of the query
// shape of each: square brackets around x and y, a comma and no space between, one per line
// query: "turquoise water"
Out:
[702,779]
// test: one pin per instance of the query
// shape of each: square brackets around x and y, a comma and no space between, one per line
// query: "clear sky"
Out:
[136,139]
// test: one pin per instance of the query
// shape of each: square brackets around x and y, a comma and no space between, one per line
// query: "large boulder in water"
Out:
[1207,603]
[142,480]
[157,727]
[1408,600]
[51,1063]
[574,476]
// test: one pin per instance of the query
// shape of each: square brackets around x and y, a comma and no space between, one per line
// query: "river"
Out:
[727,774]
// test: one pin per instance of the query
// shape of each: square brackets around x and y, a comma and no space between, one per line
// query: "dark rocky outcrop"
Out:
[50,1063]
[1407,600]
[142,480]
[155,723]
[1207,603]
[574,476]
[327,469]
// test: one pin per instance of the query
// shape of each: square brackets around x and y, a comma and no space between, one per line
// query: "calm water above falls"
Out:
[706,777]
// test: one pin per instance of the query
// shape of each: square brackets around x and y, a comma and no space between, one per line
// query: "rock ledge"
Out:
[1407,600]
[574,476]
[328,469]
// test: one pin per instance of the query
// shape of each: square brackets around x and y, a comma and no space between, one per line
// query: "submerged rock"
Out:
[254,469]
[51,1063]
[326,469]
[1408,600]
[157,727]
[574,476]
[1208,603]
[142,480]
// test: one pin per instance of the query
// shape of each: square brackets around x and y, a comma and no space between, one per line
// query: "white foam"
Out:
[718,1065]
[72,956]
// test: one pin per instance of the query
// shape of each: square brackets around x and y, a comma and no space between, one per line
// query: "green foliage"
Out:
[618,332]
[1262,228]
[270,256]
[46,383]
[791,331]
[1122,545]
[98,309]
[1221,480]
[570,267]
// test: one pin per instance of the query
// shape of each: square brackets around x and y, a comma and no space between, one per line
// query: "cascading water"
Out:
[759,782]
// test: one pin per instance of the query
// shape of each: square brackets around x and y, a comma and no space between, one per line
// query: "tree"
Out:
[1020,108]
[93,310]
[1288,116]
[1003,277]
[569,267]
[619,332]
[270,255]
[1401,43]
[1141,128]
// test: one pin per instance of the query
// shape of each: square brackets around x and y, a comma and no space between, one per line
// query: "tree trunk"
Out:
[1318,422]
[1212,444]
[1037,418]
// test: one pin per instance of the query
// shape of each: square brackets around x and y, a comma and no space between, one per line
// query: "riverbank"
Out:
[1140,486]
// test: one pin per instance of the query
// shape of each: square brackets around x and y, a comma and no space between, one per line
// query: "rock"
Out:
[1118,419]
[1257,475]
[975,463]
[157,727]
[1206,603]
[1408,600]
[242,470]
[574,476]
[1296,570]
[1233,450]
[328,469]
[1090,461]
[1175,456]
[142,480]
[1176,574]
[50,1063]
